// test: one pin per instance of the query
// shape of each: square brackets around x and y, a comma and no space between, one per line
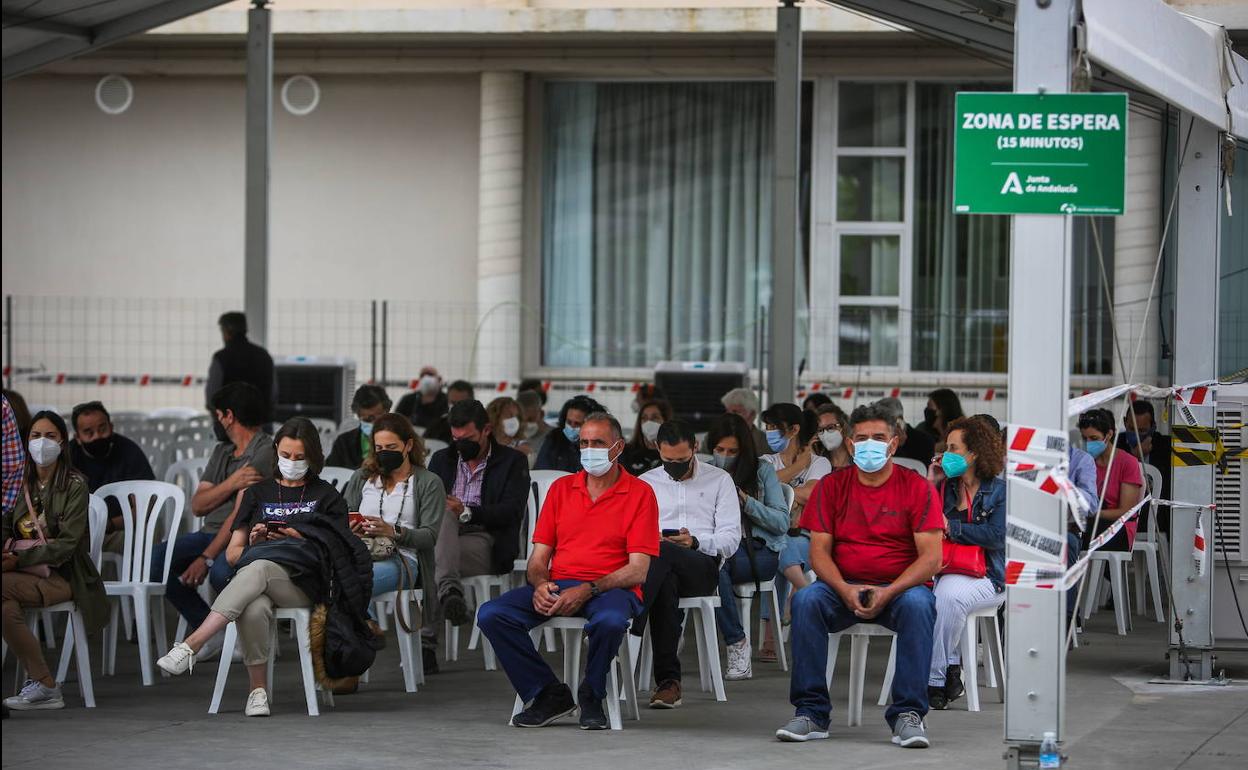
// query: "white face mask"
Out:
[292,469]
[43,451]
[511,426]
[530,429]
[831,439]
[597,461]
[650,429]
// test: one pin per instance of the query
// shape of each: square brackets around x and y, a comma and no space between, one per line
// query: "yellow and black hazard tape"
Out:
[1194,434]
[1182,457]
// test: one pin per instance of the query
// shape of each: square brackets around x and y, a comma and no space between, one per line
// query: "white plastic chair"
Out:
[789,495]
[1116,562]
[194,433]
[300,617]
[186,475]
[166,424]
[188,448]
[745,604]
[155,503]
[411,657]
[433,445]
[859,637]
[337,476]
[982,621]
[155,445]
[913,465]
[480,589]
[178,412]
[75,643]
[701,611]
[572,628]
[1144,549]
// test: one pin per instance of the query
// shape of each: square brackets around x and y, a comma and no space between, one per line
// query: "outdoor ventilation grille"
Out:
[300,95]
[113,94]
[1228,487]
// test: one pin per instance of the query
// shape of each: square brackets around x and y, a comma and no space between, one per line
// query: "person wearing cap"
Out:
[351,447]
[427,403]
[915,444]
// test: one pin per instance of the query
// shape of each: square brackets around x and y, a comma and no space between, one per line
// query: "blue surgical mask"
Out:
[1095,448]
[571,434]
[366,428]
[953,464]
[776,440]
[596,461]
[870,455]
[724,462]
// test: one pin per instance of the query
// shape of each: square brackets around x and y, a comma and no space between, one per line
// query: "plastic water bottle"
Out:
[1049,755]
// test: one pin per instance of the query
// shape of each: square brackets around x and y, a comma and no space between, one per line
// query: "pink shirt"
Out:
[1125,470]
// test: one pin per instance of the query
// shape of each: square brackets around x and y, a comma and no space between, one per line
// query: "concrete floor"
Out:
[1115,719]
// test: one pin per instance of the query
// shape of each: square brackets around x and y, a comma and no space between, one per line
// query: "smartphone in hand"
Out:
[864,597]
[670,532]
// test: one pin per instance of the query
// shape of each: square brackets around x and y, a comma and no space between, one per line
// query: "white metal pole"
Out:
[1039,382]
[259,134]
[782,323]
[1195,358]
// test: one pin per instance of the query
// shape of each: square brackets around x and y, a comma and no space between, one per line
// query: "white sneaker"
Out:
[35,696]
[212,647]
[739,666]
[257,703]
[179,660]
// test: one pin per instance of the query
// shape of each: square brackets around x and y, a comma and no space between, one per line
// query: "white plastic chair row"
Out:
[913,465]
[301,617]
[701,611]
[338,477]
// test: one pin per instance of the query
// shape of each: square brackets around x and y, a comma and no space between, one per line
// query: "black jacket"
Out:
[504,496]
[343,571]
[558,454]
[346,452]
[241,360]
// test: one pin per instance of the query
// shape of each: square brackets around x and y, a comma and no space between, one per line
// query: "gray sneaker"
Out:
[801,728]
[35,696]
[909,733]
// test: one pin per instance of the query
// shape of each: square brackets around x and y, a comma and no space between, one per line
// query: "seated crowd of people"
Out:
[806,496]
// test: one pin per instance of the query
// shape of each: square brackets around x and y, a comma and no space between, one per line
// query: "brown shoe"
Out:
[667,696]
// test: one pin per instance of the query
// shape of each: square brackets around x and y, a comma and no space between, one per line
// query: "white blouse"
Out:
[819,467]
[397,505]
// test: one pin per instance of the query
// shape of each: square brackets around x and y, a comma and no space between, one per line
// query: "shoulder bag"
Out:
[961,558]
[12,545]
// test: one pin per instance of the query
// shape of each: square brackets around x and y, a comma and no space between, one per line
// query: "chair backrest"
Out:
[155,445]
[913,465]
[155,503]
[789,494]
[186,474]
[703,457]
[433,445]
[337,476]
[541,485]
[188,448]
[168,425]
[194,433]
[97,525]
[1153,480]
[179,412]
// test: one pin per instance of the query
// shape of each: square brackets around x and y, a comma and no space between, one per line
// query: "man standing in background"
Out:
[241,360]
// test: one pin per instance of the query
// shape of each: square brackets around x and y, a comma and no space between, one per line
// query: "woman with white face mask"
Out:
[641,453]
[505,423]
[267,515]
[47,556]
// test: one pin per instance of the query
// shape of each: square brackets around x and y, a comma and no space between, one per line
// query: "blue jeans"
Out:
[818,611]
[186,600]
[736,571]
[387,576]
[796,552]
[507,620]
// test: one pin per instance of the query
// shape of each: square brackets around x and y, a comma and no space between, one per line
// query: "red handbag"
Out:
[960,558]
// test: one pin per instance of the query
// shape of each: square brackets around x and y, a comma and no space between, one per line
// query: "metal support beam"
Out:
[259,138]
[1039,381]
[1195,358]
[781,366]
[36,24]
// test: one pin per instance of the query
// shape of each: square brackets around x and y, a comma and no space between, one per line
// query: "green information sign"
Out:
[1040,153]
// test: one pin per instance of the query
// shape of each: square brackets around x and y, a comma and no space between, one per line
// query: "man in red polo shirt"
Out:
[875,542]
[591,551]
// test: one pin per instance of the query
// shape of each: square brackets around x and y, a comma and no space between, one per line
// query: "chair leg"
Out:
[645,662]
[886,690]
[970,669]
[452,642]
[613,697]
[834,647]
[49,630]
[407,648]
[1154,578]
[627,681]
[67,649]
[999,655]
[572,661]
[780,651]
[985,641]
[487,649]
[745,607]
[857,676]
[1122,611]
[1137,574]
[83,653]
[703,674]
[143,629]
[305,665]
[549,633]
[710,647]
[127,617]
[223,667]
[1092,587]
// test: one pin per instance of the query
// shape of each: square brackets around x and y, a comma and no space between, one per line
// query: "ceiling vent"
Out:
[300,95]
[114,94]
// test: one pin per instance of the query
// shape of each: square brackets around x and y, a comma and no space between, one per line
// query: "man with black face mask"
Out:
[700,525]
[487,494]
[105,456]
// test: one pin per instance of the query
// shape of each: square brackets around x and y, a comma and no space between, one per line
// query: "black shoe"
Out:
[953,683]
[592,715]
[429,656]
[454,608]
[936,699]
[552,703]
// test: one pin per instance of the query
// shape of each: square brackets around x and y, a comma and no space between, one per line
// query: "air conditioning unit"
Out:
[694,388]
[314,386]
[1230,536]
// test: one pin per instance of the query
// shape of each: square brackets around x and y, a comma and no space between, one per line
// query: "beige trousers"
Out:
[249,600]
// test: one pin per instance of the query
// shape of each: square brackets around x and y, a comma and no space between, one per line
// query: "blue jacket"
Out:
[769,517]
[986,528]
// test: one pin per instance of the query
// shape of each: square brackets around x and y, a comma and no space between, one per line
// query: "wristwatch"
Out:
[207,559]
[593,590]
[466,516]
[694,545]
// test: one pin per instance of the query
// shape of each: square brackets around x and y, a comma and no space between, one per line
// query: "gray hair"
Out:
[609,420]
[872,413]
[742,397]
[893,405]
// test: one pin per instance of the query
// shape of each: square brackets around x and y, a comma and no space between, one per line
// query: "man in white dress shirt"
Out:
[700,524]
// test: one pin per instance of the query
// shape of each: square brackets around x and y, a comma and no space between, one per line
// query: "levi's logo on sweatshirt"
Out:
[283,511]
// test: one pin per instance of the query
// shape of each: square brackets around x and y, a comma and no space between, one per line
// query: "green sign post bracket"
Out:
[1040,154]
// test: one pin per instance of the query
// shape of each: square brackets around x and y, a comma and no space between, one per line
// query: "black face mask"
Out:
[468,448]
[101,447]
[389,460]
[929,416]
[677,470]
[218,430]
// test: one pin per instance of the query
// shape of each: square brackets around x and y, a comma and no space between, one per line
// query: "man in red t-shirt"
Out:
[591,551]
[875,542]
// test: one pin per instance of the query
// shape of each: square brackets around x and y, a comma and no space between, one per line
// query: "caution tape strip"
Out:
[1193,434]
